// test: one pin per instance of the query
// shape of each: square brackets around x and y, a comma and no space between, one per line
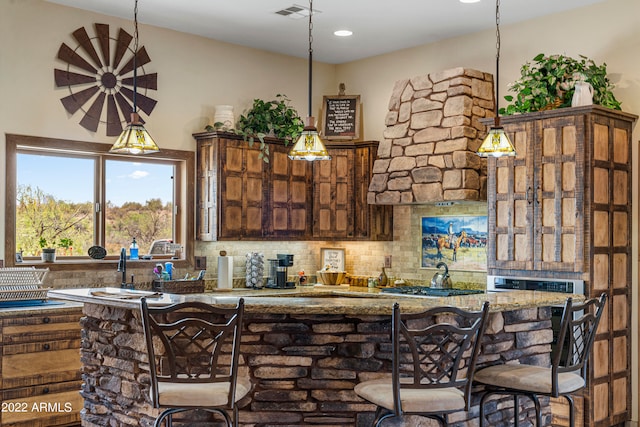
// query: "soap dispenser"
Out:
[133,249]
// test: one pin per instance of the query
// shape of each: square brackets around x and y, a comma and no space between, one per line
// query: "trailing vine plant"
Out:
[548,82]
[274,118]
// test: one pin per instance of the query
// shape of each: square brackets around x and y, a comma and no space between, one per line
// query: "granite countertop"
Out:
[317,300]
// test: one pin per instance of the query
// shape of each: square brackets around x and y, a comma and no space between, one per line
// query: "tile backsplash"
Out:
[361,258]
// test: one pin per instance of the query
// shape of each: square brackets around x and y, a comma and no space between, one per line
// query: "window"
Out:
[74,195]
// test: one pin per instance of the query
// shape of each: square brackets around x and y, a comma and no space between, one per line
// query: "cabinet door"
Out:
[333,202]
[373,222]
[290,199]
[559,194]
[207,190]
[242,196]
[510,186]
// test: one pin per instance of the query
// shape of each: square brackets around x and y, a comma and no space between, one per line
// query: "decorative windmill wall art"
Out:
[106,78]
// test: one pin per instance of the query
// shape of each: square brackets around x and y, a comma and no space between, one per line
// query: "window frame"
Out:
[184,187]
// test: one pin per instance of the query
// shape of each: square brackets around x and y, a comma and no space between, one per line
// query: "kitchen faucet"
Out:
[122,267]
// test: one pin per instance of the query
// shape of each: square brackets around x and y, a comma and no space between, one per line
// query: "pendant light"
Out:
[309,146]
[496,143]
[135,139]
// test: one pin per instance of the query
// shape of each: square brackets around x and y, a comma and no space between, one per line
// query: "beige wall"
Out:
[607,32]
[195,74]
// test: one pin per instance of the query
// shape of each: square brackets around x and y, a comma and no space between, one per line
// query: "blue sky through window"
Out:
[71,179]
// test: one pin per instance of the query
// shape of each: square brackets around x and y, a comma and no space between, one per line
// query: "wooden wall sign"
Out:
[99,73]
[341,117]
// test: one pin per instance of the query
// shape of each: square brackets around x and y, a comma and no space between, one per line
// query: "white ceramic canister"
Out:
[224,115]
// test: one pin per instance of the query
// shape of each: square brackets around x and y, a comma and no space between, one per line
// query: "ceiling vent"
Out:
[296,12]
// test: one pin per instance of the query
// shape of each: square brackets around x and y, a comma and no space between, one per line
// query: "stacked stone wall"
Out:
[433,131]
[303,368]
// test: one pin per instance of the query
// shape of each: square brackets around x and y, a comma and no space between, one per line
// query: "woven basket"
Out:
[179,286]
[552,105]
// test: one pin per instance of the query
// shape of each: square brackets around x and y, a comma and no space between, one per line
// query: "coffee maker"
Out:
[280,272]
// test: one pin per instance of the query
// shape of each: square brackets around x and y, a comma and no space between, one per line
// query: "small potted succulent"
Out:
[48,251]
[274,118]
[549,82]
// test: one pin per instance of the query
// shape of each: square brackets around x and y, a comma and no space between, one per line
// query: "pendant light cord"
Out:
[310,52]
[135,54]
[497,120]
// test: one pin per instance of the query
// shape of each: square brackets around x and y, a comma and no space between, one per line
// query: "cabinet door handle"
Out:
[46,320]
[529,195]
[46,347]
[45,390]
[539,195]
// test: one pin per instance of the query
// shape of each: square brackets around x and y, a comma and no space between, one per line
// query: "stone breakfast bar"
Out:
[304,349]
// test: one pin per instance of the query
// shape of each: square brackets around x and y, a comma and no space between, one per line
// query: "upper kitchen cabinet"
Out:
[289,187]
[239,196]
[230,195]
[333,201]
[567,190]
[340,186]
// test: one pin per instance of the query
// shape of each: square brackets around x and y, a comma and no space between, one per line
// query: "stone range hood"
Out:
[433,131]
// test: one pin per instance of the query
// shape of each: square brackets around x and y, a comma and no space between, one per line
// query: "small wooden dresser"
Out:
[40,377]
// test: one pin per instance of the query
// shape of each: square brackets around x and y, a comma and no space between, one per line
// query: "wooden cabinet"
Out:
[333,195]
[562,208]
[239,196]
[40,366]
[242,193]
[538,221]
[340,208]
[289,194]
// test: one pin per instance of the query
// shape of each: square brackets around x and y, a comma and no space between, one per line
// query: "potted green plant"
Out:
[274,118]
[48,252]
[549,82]
[67,245]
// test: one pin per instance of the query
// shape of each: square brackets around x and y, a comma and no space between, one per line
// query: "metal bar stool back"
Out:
[193,351]
[567,373]
[433,358]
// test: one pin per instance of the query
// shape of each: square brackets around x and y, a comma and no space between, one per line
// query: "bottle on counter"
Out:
[133,249]
[383,280]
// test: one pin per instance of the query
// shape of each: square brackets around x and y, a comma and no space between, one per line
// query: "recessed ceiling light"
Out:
[469,1]
[342,33]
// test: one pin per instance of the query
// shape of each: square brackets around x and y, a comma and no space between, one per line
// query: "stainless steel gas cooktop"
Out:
[425,291]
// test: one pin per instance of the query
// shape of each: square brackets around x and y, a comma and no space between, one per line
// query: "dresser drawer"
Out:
[39,328]
[26,369]
[42,406]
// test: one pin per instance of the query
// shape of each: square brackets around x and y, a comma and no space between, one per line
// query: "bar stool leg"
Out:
[536,402]
[482,401]
[572,411]
[516,410]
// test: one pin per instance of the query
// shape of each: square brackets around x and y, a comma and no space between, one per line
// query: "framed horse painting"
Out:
[459,241]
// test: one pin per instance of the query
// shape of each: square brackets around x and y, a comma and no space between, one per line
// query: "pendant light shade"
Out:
[496,143]
[135,139]
[309,146]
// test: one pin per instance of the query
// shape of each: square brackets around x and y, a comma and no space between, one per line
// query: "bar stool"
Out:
[568,370]
[432,375]
[190,368]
